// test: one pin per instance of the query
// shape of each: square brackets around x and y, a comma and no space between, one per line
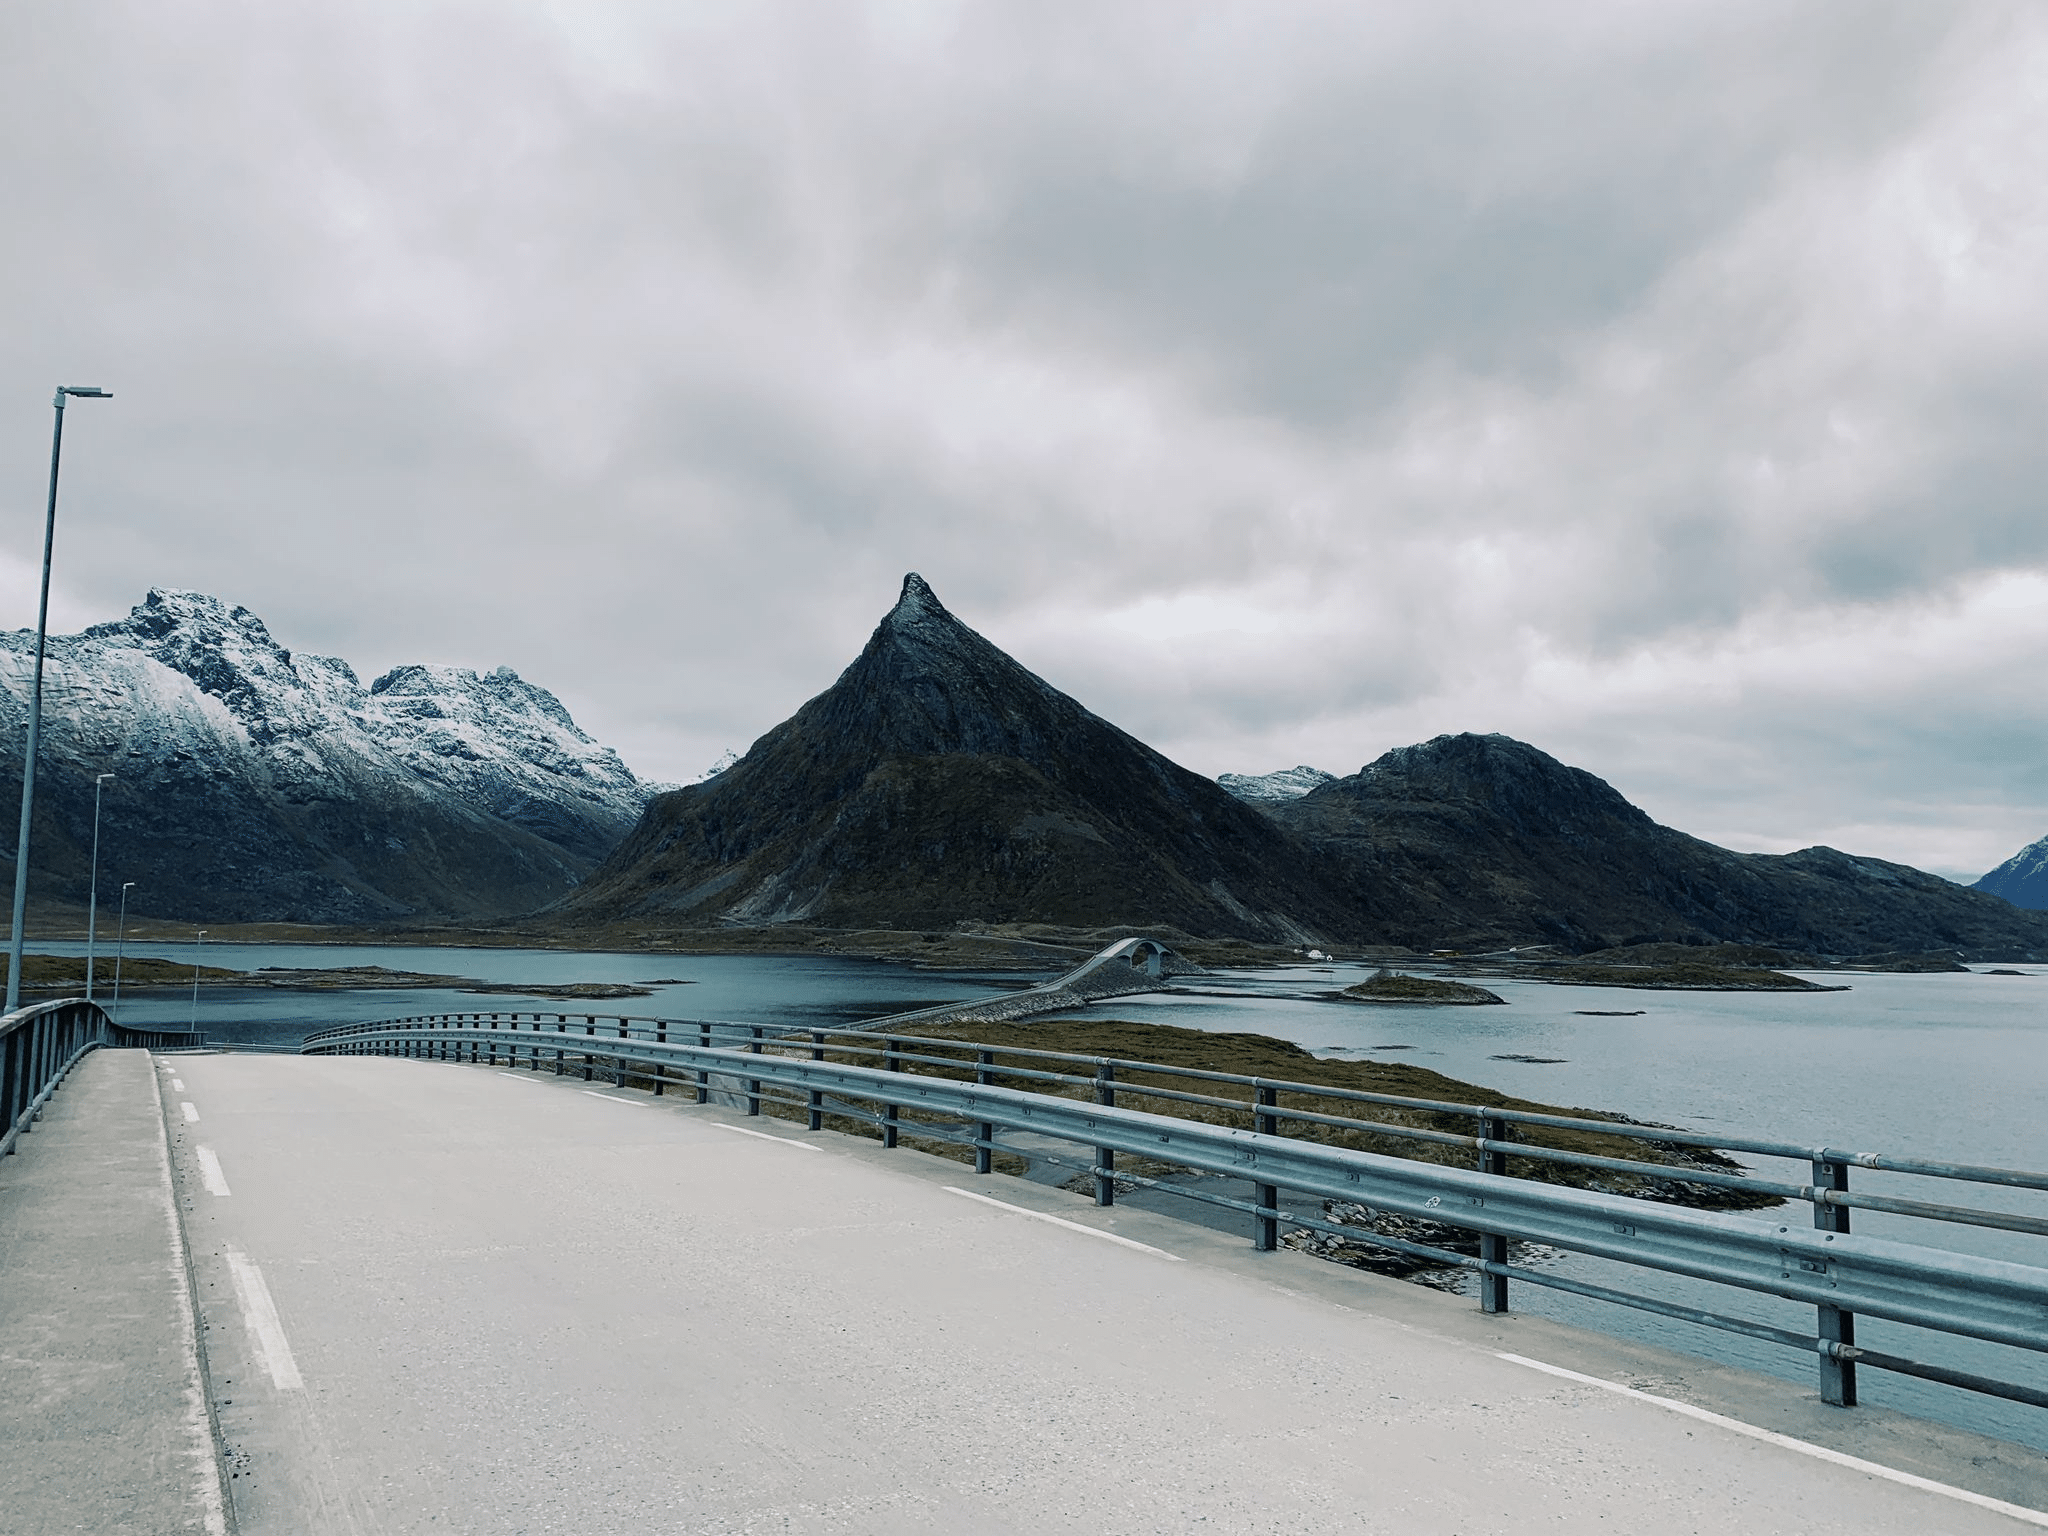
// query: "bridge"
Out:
[517,1272]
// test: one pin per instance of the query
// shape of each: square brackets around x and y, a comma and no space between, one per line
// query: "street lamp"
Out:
[35,698]
[196,953]
[121,949]
[92,910]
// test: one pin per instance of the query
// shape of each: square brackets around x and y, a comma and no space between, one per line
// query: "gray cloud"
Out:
[1286,384]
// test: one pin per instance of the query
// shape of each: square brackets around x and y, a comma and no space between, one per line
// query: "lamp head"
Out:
[85,391]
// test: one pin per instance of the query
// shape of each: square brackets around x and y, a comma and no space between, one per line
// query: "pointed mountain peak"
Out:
[917,607]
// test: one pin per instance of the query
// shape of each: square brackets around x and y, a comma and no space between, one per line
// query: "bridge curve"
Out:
[1123,969]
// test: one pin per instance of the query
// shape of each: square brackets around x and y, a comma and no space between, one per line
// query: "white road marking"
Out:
[260,1313]
[177,1085]
[613,1097]
[1061,1221]
[1804,1447]
[210,1175]
[516,1077]
[199,1452]
[743,1131]
[191,1110]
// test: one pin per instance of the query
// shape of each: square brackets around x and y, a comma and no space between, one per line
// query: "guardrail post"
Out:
[754,1083]
[561,1028]
[817,1097]
[1837,1327]
[1493,1249]
[1266,1229]
[985,1131]
[891,1062]
[494,1044]
[1105,1157]
[660,1038]
[704,1073]
[589,1061]
[619,1062]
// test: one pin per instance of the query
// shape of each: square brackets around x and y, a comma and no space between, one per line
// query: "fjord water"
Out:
[1948,1067]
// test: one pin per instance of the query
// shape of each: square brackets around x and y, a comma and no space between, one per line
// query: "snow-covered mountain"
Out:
[1287,784]
[252,783]
[2021,879]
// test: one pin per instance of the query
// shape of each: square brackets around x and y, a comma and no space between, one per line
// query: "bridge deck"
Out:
[446,1298]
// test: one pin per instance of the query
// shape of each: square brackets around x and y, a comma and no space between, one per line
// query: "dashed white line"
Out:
[613,1097]
[209,1172]
[741,1130]
[190,1110]
[1061,1221]
[260,1313]
[177,1085]
[1804,1447]
[515,1077]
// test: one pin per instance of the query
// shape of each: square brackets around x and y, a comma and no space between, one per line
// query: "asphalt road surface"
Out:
[442,1298]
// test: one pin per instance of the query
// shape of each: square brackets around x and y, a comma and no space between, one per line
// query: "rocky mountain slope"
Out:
[1483,841]
[1286,784]
[2021,879]
[256,784]
[939,781]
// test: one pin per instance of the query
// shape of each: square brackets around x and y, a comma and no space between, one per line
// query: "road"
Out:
[442,1298]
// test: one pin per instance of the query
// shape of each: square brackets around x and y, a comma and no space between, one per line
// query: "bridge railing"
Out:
[1333,1143]
[41,1043]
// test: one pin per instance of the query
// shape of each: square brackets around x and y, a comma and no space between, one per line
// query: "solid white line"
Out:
[260,1313]
[206,1468]
[1061,1221]
[210,1175]
[177,1085]
[613,1097]
[743,1131]
[190,1109]
[1804,1447]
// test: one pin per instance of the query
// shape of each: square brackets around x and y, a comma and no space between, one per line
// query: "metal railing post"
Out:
[704,1073]
[816,1119]
[561,1028]
[891,1062]
[754,1083]
[1837,1327]
[619,1061]
[660,1038]
[589,1031]
[1266,1229]
[1105,1157]
[1493,1249]
[984,1131]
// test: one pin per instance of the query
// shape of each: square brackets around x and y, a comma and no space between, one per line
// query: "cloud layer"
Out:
[1661,384]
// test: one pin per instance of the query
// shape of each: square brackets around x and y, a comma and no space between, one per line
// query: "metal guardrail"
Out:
[41,1043]
[936,1089]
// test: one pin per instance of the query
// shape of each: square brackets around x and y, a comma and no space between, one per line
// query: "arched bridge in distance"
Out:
[518,1272]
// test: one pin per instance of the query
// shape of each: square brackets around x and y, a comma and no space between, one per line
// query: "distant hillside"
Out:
[1286,784]
[254,784]
[939,781]
[1482,841]
[2021,879]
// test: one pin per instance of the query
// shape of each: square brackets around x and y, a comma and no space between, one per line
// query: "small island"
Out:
[1390,987]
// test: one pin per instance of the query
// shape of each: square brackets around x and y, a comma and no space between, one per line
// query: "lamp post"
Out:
[121,950]
[35,698]
[196,953]
[92,910]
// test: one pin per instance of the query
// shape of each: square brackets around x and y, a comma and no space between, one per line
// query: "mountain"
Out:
[937,781]
[2021,879]
[1287,784]
[1482,841]
[254,784]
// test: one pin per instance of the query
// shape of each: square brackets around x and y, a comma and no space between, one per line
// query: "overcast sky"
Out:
[1659,383]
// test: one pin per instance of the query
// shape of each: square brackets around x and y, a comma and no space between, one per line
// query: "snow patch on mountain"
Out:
[1287,784]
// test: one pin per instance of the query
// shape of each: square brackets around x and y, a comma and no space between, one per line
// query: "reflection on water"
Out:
[1944,1066]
